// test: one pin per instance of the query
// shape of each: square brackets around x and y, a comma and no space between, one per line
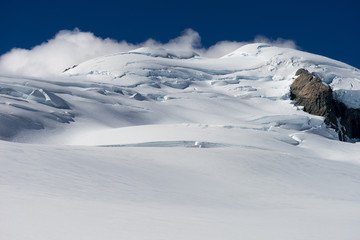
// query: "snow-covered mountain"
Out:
[165,144]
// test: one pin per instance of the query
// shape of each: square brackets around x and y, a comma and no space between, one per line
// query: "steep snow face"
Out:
[158,144]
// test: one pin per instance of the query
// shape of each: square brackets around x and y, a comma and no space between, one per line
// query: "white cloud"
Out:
[68,48]
[279,42]
[65,49]
[221,48]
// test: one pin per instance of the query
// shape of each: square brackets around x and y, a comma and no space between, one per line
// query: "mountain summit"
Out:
[158,86]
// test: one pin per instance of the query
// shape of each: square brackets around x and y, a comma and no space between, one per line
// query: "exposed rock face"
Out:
[349,119]
[67,69]
[317,98]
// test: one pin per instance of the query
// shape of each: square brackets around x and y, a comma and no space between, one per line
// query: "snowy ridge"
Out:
[159,144]
[128,87]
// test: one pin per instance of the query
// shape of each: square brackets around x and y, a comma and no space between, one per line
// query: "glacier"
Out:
[167,144]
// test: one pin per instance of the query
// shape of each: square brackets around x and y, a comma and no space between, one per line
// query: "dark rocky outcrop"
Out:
[317,98]
[349,121]
[67,69]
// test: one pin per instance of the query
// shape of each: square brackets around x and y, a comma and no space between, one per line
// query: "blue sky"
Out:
[323,27]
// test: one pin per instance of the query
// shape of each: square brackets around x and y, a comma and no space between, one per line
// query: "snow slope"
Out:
[159,144]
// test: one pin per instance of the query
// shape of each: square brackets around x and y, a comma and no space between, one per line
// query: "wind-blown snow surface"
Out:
[157,144]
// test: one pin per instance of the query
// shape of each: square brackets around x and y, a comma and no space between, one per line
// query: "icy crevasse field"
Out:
[160,144]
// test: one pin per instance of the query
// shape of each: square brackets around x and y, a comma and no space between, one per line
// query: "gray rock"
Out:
[317,98]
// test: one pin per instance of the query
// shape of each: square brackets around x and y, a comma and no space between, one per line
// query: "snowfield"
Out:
[165,144]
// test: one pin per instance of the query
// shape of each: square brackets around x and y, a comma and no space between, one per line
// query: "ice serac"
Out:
[48,98]
[317,98]
[164,53]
